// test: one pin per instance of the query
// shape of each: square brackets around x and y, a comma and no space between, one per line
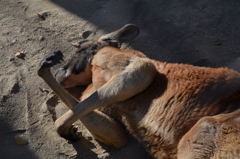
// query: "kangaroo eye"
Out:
[94,47]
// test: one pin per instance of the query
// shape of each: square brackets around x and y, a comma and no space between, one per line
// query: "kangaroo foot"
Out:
[72,135]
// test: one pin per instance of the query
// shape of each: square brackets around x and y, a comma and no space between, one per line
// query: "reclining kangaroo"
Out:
[174,110]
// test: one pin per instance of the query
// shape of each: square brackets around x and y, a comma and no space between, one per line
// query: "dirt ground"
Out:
[173,31]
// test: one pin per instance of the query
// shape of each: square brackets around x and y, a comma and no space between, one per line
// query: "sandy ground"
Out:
[171,31]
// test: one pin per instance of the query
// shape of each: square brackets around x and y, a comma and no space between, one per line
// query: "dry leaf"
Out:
[218,42]
[20,54]
[41,16]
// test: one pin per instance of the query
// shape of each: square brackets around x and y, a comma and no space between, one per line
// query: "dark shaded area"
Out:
[8,148]
[51,105]
[172,31]
[15,88]
[86,146]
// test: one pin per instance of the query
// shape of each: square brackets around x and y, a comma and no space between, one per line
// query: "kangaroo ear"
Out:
[125,34]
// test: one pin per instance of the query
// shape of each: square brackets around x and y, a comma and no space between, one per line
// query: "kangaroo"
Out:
[174,110]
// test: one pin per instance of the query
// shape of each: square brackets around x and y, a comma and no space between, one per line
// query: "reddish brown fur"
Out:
[179,96]
[173,103]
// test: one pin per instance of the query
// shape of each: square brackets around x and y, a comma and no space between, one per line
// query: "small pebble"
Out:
[77,45]
[21,140]
[41,38]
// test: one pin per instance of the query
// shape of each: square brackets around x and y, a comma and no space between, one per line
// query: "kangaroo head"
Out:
[78,70]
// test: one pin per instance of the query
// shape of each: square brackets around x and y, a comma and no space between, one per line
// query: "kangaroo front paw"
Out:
[49,61]
[52,59]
